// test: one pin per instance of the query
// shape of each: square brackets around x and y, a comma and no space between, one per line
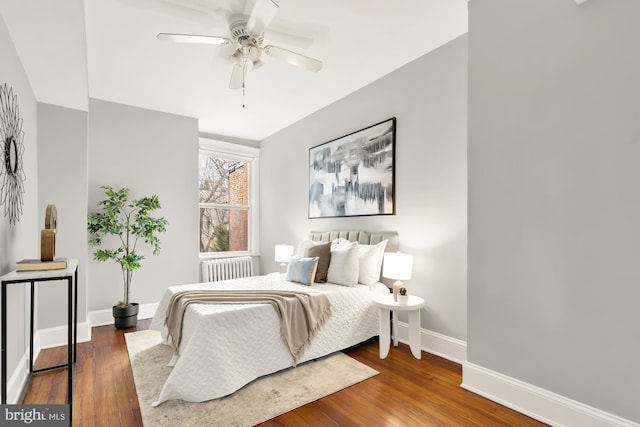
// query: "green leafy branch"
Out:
[129,221]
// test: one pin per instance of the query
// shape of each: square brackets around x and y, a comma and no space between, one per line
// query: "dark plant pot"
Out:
[125,317]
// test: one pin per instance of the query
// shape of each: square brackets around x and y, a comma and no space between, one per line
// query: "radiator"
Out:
[226,268]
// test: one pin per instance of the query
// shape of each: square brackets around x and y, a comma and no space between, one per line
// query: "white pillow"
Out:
[343,267]
[370,262]
[340,241]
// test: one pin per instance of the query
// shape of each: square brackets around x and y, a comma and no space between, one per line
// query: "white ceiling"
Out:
[106,49]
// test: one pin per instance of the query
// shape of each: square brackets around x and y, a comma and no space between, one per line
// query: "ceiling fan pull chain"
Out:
[244,73]
[244,70]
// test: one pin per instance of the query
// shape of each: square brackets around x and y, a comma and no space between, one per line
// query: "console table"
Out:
[70,274]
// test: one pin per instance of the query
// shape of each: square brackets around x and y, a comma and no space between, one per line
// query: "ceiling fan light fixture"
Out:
[253,53]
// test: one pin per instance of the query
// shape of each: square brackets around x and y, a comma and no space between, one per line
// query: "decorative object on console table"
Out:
[282,255]
[397,266]
[47,260]
[355,174]
[128,221]
[48,234]
[38,265]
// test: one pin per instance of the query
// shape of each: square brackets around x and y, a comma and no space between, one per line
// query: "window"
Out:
[228,193]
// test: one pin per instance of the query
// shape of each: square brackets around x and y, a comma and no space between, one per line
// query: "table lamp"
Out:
[397,266]
[283,253]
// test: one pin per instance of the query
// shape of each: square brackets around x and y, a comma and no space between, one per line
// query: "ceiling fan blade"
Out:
[289,39]
[237,76]
[191,38]
[261,16]
[293,58]
[198,7]
[238,6]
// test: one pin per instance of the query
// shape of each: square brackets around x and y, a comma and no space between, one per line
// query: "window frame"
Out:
[250,155]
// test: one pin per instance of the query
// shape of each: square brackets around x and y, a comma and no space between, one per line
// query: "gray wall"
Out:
[150,153]
[22,239]
[554,202]
[62,181]
[429,99]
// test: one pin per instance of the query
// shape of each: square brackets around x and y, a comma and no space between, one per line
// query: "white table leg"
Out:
[385,334]
[414,333]
[395,328]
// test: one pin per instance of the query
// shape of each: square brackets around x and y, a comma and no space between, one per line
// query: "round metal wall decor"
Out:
[11,173]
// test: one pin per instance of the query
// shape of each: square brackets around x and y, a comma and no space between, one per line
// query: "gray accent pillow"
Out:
[323,252]
[301,270]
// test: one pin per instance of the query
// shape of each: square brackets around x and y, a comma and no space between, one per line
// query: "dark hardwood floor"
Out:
[407,392]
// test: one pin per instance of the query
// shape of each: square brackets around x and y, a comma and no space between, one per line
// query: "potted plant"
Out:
[129,221]
[403,298]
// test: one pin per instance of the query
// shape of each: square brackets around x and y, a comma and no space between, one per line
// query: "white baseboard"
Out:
[530,400]
[18,380]
[100,317]
[57,336]
[536,402]
[432,342]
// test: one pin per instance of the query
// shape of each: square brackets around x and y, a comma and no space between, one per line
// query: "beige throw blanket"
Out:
[301,315]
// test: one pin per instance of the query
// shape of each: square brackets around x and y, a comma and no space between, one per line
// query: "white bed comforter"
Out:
[225,347]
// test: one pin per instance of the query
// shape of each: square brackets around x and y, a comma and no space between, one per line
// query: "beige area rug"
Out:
[259,401]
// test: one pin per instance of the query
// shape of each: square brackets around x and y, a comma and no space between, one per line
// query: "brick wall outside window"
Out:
[239,219]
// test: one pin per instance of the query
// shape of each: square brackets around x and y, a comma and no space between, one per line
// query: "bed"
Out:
[224,347]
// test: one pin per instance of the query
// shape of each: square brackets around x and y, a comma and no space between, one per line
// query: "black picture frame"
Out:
[354,175]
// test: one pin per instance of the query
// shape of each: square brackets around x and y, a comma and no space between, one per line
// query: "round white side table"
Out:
[386,304]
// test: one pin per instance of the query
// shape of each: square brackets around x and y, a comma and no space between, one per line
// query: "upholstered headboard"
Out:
[363,238]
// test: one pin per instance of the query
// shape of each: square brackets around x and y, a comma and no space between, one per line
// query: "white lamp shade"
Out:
[283,253]
[397,266]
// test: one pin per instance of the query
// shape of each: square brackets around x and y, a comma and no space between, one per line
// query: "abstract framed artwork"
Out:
[354,175]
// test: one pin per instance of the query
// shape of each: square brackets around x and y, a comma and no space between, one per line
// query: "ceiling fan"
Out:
[246,32]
